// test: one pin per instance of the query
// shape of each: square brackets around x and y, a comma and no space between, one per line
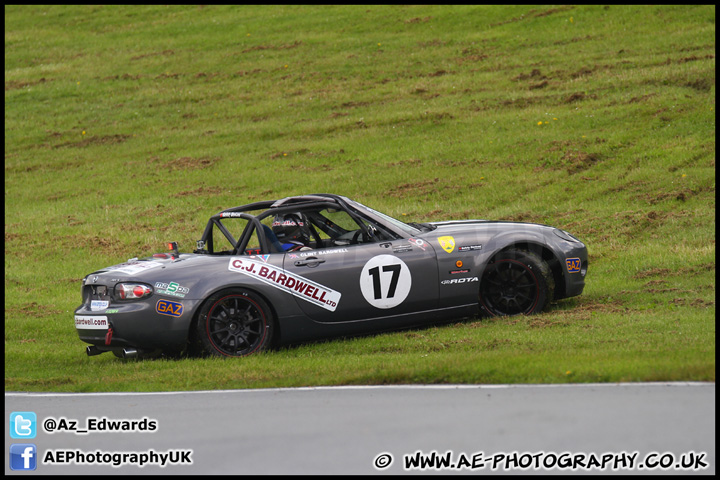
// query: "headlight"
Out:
[132,291]
[565,236]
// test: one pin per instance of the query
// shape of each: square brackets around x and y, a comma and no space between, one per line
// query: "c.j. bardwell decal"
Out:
[293,284]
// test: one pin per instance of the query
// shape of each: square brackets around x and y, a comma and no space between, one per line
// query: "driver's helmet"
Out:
[290,229]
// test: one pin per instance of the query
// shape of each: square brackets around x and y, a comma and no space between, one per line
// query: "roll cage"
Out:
[371,226]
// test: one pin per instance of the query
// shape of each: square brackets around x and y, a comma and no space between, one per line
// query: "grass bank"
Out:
[128,126]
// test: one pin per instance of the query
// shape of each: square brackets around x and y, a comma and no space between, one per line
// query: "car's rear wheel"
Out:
[235,323]
[516,282]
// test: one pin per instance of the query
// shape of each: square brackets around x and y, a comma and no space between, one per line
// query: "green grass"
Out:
[129,126]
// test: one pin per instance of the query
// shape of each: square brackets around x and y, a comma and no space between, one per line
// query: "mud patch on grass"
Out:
[164,53]
[546,323]
[200,191]
[695,303]
[642,98]
[535,14]
[191,163]
[703,85]
[411,190]
[418,20]
[601,306]
[535,75]
[471,55]
[436,215]
[633,223]
[99,245]
[17,84]
[576,97]
[286,46]
[315,168]
[528,217]
[32,310]
[93,140]
[494,344]
[41,384]
[410,162]
[576,161]
[10,237]
[665,272]
[680,194]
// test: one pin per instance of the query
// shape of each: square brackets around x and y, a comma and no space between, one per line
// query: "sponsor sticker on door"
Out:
[295,285]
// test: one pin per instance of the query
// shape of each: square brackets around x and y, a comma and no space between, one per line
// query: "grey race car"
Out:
[317,266]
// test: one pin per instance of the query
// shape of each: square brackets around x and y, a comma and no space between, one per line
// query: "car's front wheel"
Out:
[516,282]
[235,323]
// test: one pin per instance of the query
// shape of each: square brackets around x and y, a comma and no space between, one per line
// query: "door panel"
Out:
[370,280]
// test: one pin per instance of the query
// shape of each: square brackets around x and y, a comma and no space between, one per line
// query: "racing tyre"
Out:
[235,323]
[516,282]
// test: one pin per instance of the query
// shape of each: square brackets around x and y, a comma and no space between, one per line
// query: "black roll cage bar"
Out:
[274,207]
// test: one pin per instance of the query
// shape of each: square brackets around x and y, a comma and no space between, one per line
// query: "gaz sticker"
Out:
[166,307]
[573,265]
[385,281]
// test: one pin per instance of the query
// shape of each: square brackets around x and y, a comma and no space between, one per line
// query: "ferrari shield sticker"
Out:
[295,285]
[385,281]
[447,243]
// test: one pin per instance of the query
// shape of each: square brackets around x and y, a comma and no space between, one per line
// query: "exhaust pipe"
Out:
[92,350]
[129,353]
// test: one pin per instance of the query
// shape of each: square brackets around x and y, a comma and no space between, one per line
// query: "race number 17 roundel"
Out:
[385,281]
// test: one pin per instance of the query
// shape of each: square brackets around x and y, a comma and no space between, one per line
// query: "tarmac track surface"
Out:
[353,430]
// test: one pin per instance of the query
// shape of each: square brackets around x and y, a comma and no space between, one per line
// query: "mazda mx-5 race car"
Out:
[317,266]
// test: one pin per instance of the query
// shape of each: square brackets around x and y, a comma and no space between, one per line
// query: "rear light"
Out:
[173,247]
[132,291]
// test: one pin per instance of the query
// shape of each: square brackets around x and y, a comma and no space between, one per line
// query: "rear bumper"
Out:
[136,326]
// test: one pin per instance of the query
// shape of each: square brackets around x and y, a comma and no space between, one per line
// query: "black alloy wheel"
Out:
[235,323]
[516,282]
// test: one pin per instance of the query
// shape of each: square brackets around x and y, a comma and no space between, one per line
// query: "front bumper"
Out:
[575,269]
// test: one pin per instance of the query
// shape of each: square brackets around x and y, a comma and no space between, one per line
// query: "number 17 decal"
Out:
[385,281]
